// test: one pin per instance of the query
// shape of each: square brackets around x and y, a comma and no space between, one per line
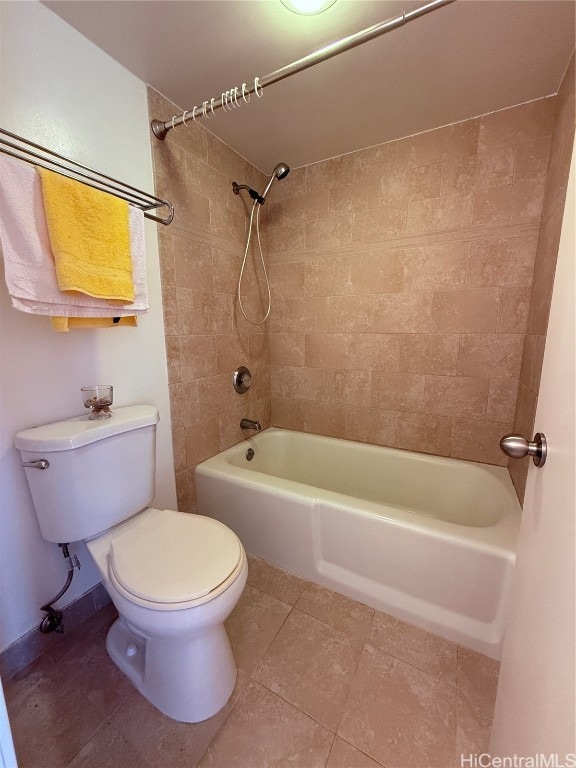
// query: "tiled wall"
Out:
[547,251]
[401,280]
[201,253]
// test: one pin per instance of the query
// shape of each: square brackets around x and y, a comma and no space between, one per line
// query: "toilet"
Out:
[173,577]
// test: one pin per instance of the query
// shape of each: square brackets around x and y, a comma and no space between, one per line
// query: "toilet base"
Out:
[189,679]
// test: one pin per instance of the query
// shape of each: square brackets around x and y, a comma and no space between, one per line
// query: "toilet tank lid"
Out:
[76,432]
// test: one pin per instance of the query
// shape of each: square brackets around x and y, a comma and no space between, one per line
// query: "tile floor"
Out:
[323,682]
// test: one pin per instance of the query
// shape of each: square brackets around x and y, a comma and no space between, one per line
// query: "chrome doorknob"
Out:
[517,447]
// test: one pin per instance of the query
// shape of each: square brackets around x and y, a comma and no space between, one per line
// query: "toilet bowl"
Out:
[173,577]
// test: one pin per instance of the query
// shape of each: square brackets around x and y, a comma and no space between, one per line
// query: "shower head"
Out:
[280,172]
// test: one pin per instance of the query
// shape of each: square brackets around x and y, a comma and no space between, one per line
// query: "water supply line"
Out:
[52,622]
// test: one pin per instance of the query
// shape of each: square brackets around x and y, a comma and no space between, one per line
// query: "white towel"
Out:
[28,262]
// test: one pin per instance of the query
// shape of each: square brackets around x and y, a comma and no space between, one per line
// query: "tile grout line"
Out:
[224,722]
[75,755]
[366,642]
[330,750]
[329,626]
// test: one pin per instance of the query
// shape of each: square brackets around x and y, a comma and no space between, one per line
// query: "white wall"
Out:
[535,705]
[59,90]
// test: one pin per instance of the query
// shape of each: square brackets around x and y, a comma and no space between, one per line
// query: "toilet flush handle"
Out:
[37,464]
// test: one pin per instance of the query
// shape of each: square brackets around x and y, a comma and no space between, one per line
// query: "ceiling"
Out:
[460,61]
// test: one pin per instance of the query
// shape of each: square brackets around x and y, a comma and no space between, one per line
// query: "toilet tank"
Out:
[99,473]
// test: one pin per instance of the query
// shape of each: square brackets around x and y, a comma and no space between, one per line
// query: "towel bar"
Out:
[23,149]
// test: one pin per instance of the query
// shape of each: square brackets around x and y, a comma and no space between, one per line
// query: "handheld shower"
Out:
[279,172]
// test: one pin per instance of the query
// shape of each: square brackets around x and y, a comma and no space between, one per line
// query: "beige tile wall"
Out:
[402,287]
[200,254]
[401,279]
[547,251]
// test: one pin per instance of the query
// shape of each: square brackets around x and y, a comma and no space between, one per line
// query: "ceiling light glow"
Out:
[308,7]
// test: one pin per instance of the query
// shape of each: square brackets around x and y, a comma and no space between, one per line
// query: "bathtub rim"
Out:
[499,538]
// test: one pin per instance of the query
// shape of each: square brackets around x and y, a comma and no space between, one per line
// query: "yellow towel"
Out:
[90,238]
[64,324]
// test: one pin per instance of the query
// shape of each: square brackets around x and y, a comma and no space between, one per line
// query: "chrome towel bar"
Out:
[23,149]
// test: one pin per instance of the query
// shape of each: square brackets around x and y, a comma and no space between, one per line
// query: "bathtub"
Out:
[426,539]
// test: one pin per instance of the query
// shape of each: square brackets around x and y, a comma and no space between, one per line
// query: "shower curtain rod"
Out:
[29,152]
[230,98]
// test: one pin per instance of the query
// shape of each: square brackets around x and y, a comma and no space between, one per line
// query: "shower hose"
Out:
[255,209]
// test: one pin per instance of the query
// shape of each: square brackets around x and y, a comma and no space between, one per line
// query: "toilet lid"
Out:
[173,557]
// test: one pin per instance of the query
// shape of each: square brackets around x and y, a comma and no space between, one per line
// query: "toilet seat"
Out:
[173,560]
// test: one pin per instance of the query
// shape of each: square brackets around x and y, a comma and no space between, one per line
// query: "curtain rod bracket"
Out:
[159,129]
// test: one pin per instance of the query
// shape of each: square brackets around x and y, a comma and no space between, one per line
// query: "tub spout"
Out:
[249,424]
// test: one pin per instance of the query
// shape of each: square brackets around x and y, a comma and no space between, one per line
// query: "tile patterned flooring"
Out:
[323,682]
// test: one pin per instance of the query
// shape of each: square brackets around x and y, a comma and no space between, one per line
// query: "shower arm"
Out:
[160,128]
[252,192]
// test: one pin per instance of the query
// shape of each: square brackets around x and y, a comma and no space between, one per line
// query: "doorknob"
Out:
[517,447]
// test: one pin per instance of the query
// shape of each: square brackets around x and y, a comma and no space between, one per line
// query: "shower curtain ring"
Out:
[204,106]
[184,119]
[256,86]
[212,105]
[173,126]
[194,108]
[236,96]
[244,94]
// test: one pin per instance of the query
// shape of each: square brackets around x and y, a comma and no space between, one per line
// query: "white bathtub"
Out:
[426,539]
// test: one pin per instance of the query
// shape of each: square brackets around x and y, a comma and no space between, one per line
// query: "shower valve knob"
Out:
[517,446]
[241,380]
